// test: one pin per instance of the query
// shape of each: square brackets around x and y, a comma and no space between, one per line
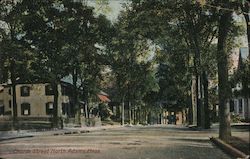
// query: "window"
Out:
[25,109]
[10,104]
[25,91]
[49,108]
[10,91]
[49,90]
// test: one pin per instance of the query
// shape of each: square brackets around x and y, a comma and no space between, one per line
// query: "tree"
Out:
[79,45]
[133,70]
[15,58]
[241,77]
[161,18]
[224,112]
[174,79]
[178,21]
[44,34]
[245,5]
[242,74]
[63,36]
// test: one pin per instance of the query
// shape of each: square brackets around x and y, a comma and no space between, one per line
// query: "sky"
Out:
[115,6]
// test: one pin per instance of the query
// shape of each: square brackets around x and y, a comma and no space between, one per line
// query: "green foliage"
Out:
[185,33]
[104,111]
[242,77]
[15,58]
[152,50]
[133,69]
[48,40]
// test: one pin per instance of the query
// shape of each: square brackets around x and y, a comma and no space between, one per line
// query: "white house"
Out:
[240,105]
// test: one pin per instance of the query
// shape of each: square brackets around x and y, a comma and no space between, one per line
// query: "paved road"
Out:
[151,142]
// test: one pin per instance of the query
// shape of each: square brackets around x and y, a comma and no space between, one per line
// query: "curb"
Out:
[229,149]
[17,137]
[71,132]
[53,134]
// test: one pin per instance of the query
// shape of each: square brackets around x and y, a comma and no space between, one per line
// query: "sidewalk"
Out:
[238,145]
[243,130]
[8,135]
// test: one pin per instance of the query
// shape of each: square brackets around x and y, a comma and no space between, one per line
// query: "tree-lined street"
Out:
[75,64]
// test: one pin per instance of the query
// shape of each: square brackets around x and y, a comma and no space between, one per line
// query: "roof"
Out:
[103,98]
[69,79]
[238,54]
[8,84]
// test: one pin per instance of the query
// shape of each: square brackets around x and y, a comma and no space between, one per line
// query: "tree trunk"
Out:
[206,109]
[146,116]
[86,109]
[247,110]
[129,113]
[129,106]
[195,43]
[190,114]
[15,121]
[55,106]
[134,115]
[139,116]
[1,68]
[88,101]
[13,87]
[122,114]
[149,117]
[222,64]
[75,97]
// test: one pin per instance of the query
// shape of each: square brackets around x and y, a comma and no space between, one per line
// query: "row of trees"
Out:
[184,33]
[48,40]
[189,29]
[154,50]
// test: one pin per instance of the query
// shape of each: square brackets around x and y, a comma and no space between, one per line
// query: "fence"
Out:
[23,123]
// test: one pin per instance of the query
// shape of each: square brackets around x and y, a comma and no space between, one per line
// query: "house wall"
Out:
[37,100]
[243,109]
[5,98]
[180,116]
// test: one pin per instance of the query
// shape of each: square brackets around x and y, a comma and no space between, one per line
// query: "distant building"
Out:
[35,100]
